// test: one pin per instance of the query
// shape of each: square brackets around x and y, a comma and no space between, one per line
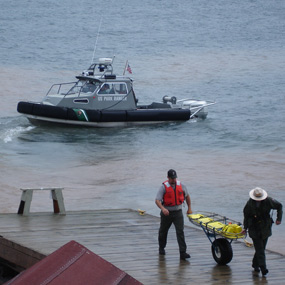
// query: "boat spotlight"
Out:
[101,67]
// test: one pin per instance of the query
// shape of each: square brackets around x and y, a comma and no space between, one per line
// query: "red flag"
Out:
[129,69]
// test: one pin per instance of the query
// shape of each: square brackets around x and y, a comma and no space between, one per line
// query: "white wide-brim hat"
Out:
[258,194]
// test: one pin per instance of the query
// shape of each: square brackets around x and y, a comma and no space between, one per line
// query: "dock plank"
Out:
[129,241]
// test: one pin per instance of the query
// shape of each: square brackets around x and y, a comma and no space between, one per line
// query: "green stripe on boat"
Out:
[81,115]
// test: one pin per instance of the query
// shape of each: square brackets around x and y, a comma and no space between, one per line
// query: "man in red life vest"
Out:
[169,199]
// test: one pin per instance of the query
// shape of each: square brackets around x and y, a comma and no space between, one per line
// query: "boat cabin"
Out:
[96,91]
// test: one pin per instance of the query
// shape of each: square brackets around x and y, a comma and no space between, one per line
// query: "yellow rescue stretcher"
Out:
[216,225]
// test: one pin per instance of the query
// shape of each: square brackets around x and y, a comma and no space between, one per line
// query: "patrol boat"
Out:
[100,98]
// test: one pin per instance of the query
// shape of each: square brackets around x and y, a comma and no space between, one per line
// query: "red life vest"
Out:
[173,197]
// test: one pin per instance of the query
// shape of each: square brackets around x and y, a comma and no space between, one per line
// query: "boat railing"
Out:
[196,110]
[103,70]
[196,100]
[63,89]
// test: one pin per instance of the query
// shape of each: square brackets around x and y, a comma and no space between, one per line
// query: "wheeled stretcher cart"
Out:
[220,231]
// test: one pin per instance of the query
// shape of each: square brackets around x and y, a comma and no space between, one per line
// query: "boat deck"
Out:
[129,241]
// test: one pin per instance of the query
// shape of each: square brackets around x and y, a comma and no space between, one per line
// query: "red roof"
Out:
[73,264]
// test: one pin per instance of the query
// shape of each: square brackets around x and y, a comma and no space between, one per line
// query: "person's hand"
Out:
[277,222]
[165,212]
[189,211]
[243,231]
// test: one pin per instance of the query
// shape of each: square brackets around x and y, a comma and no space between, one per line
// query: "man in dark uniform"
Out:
[169,199]
[258,222]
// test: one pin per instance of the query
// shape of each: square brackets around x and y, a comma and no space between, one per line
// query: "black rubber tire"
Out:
[222,251]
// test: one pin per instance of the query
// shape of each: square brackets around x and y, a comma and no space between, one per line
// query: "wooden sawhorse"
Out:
[27,195]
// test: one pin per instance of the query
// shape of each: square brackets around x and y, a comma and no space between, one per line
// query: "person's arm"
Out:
[188,202]
[245,219]
[279,214]
[158,200]
[277,206]
[187,199]
[160,206]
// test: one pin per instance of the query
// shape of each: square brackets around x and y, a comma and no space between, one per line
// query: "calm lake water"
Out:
[231,52]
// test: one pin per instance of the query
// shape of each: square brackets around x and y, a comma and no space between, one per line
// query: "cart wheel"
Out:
[222,251]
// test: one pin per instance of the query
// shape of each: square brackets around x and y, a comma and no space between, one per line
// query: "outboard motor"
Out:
[167,99]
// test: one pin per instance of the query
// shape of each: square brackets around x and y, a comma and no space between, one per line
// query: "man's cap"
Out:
[258,194]
[171,173]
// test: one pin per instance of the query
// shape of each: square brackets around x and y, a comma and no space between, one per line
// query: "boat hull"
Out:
[40,113]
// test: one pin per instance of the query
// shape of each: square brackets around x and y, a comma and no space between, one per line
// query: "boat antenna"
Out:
[95,46]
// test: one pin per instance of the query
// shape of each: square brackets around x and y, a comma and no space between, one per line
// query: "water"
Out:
[231,52]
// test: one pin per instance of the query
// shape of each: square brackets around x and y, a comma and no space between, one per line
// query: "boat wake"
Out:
[9,134]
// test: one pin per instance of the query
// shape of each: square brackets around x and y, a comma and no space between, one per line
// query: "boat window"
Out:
[62,88]
[81,101]
[75,89]
[120,88]
[105,89]
[89,87]
[113,88]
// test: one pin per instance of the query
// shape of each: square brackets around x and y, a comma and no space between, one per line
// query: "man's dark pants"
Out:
[259,256]
[175,217]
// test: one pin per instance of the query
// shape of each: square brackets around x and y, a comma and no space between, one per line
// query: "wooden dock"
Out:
[129,241]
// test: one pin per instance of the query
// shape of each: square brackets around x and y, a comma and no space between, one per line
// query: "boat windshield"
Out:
[89,87]
[83,87]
